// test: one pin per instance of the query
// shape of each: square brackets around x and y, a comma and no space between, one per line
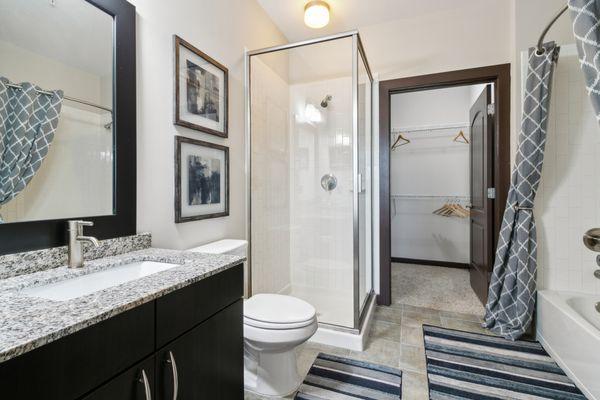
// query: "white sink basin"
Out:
[96,281]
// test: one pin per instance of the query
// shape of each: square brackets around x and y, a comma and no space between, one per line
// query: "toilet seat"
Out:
[276,311]
[276,325]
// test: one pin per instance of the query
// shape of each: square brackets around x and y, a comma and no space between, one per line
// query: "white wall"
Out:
[430,107]
[568,201]
[221,29]
[462,37]
[530,18]
[431,165]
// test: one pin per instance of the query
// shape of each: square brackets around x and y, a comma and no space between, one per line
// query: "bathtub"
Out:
[568,326]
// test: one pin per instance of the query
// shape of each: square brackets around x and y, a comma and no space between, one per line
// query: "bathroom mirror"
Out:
[63,168]
[67,130]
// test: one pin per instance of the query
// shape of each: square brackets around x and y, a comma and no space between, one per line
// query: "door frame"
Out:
[499,75]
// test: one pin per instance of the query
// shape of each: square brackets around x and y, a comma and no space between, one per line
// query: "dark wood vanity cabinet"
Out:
[183,368]
[185,345]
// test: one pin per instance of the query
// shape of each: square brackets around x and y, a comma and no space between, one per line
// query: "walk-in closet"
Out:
[431,162]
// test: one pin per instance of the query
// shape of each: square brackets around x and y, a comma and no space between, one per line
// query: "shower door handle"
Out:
[360,183]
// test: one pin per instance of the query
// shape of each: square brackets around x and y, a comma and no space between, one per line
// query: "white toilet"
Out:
[274,325]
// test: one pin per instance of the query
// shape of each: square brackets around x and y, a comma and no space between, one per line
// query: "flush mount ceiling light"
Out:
[316,14]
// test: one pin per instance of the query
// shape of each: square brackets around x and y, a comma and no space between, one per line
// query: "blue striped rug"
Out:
[463,365]
[332,377]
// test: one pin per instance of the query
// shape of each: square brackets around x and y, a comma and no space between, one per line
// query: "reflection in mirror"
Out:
[56,97]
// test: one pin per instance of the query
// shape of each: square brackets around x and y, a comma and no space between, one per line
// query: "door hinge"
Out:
[491,193]
[491,109]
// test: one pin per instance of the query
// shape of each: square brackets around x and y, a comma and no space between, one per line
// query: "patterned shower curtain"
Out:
[585,15]
[28,120]
[511,298]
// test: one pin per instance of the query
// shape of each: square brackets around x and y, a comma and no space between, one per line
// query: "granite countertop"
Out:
[29,322]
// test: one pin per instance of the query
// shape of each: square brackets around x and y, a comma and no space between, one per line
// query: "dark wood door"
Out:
[482,242]
[206,362]
[136,383]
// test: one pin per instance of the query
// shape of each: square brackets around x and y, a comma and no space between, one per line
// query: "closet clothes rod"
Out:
[73,99]
[439,128]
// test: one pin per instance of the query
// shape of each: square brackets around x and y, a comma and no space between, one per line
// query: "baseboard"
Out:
[436,263]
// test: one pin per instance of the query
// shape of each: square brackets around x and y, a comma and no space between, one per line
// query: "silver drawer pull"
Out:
[144,379]
[173,364]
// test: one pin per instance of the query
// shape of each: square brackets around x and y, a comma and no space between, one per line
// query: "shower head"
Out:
[326,100]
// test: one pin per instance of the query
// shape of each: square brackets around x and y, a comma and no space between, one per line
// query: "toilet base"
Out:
[272,374]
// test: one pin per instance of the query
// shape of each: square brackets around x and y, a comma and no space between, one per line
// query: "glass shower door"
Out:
[302,177]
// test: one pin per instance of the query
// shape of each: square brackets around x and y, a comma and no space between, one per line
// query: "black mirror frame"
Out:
[34,235]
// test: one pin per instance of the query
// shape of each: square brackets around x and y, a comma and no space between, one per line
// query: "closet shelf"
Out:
[421,196]
[428,128]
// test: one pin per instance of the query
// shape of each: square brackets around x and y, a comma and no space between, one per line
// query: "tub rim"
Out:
[558,298]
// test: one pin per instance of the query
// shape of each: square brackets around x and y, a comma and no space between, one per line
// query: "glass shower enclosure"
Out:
[308,162]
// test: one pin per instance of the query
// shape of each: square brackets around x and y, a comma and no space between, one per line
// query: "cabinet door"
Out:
[180,311]
[206,362]
[137,383]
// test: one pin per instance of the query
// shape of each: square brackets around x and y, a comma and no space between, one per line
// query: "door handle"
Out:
[144,379]
[173,364]
[360,183]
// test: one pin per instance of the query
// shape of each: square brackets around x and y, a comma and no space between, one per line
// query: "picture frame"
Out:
[201,180]
[201,90]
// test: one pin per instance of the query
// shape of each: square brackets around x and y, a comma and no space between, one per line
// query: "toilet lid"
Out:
[278,309]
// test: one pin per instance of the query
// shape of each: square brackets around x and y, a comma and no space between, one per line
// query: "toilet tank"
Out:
[226,246]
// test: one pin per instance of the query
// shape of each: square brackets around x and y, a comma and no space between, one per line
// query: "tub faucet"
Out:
[76,238]
[591,239]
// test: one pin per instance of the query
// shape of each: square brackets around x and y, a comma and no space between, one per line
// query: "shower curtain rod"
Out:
[540,47]
[87,103]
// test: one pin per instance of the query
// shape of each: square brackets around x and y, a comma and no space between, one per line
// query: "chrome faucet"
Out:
[76,238]
[591,239]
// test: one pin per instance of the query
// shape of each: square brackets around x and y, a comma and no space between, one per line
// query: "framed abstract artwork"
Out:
[201,90]
[201,180]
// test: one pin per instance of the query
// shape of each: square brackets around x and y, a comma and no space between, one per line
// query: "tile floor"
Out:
[396,339]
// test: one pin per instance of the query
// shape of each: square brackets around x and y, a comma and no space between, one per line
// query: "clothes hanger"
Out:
[450,209]
[461,211]
[400,137]
[444,210]
[461,138]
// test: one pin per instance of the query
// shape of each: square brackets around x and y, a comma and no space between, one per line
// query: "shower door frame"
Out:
[357,50]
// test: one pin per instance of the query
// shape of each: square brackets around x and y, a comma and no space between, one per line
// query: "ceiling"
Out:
[346,15]
[72,32]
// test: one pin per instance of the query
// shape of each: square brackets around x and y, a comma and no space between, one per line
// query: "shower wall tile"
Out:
[568,201]
[270,181]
